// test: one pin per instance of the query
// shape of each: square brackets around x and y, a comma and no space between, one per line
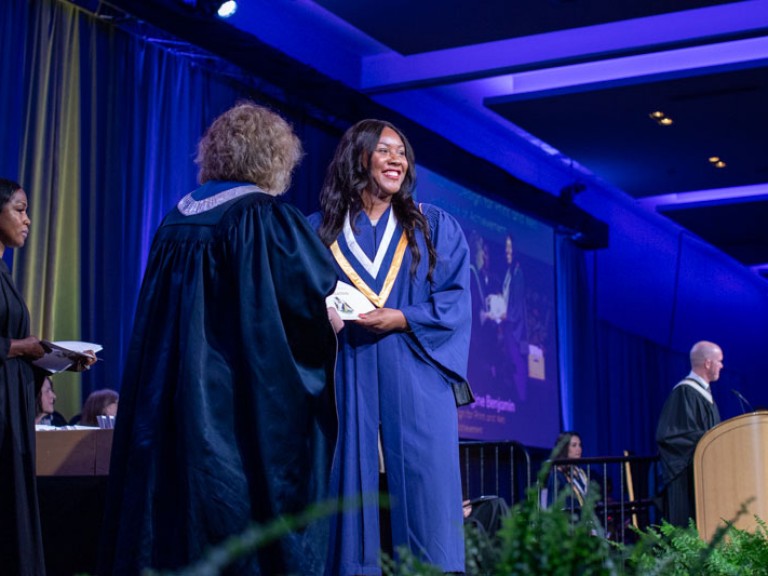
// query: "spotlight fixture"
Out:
[660,118]
[227,9]
[205,7]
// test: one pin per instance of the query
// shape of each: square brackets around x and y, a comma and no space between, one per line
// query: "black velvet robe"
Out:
[225,415]
[686,416]
[21,547]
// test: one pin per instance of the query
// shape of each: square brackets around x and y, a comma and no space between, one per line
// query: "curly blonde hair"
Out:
[249,143]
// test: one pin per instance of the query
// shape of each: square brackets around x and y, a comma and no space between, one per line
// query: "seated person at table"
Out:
[45,400]
[99,403]
[568,477]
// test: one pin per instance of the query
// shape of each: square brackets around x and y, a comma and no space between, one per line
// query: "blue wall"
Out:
[663,289]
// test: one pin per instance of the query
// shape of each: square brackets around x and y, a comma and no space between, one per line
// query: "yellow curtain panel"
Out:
[47,269]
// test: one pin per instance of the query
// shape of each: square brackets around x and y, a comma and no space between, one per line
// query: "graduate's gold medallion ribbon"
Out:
[379,299]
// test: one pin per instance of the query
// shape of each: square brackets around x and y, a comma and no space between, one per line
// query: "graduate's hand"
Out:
[383,320]
[335,320]
[30,347]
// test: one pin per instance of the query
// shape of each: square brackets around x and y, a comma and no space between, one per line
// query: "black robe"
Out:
[225,416]
[686,416]
[21,547]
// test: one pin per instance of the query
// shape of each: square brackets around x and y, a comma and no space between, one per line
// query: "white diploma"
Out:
[348,301]
[64,354]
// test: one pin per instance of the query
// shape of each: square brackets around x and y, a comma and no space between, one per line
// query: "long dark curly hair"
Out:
[347,178]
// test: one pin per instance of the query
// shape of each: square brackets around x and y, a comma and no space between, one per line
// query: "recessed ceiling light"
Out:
[716,162]
[660,118]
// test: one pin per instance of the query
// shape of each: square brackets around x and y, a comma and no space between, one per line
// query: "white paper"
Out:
[64,354]
[77,346]
[497,307]
[348,301]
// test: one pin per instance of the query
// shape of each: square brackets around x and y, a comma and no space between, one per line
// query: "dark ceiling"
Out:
[429,25]
[571,79]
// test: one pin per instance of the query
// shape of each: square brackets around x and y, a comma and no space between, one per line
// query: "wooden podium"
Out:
[730,466]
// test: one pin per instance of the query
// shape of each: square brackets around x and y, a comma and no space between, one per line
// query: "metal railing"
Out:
[626,488]
[494,468]
[627,484]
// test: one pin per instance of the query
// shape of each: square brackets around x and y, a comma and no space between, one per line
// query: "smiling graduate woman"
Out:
[401,367]
[21,547]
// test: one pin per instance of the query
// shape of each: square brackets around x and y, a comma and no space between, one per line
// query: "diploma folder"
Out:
[63,354]
[348,301]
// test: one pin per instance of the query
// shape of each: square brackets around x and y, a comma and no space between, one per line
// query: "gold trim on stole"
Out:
[380,299]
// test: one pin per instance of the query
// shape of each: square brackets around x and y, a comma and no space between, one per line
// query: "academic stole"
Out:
[377,299]
[380,298]
[577,478]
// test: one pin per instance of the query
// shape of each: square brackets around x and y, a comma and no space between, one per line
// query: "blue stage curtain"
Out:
[13,22]
[576,332]
[100,125]
[613,383]
[633,383]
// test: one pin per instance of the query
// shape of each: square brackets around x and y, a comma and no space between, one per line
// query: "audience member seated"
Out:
[45,400]
[568,478]
[99,403]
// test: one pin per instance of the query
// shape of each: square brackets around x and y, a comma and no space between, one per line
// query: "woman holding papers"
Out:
[401,367]
[21,546]
[224,419]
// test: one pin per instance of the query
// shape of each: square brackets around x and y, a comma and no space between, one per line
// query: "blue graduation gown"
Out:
[224,418]
[402,382]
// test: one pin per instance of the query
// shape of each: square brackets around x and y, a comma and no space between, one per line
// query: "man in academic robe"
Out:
[687,414]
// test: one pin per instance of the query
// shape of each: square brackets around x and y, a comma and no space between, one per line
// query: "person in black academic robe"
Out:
[21,546]
[225,416]
[688,413]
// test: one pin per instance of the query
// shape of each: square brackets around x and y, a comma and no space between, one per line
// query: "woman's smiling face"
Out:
[389,164]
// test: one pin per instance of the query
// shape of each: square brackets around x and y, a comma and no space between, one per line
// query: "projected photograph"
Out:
[513,356]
